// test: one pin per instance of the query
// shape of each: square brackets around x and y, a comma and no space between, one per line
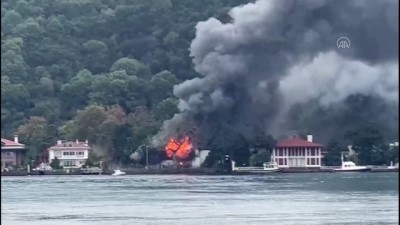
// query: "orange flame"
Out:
[181,148]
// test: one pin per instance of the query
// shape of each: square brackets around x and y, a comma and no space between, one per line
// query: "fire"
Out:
[181,149]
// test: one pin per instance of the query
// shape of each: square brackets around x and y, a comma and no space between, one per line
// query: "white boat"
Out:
[271,166]
[391,167]
[118,173]
[349,166]
[42,168]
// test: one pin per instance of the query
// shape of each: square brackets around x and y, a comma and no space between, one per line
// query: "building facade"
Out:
[298,153]
[12,153]
[70,154]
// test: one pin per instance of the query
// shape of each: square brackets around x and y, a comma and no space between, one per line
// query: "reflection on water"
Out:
[323,198]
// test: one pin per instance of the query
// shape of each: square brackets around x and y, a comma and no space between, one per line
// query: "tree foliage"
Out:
[333,156]
[370,145]
[55,163]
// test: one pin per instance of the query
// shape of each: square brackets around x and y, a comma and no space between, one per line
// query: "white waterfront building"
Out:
[71,154]
[297,153]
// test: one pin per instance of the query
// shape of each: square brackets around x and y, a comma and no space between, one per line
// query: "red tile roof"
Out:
[297,143]
[8,143]
[70,144]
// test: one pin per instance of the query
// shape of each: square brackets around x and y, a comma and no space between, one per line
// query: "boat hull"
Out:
[353,170]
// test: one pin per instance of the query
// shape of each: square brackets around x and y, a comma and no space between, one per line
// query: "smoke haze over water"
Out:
[277,54]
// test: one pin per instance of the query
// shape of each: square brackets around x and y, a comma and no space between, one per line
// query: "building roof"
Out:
[5,143]
[70,145]
[296,142]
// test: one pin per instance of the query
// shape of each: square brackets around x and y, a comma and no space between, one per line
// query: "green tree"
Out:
[333,156]
[132,67]
[97,59]
[93,160]
[368,142]
[75,93]
[10,20]
[55,163]
[87,123]
[29,30]
[166,109]
[162,86]
[119,88]
[35,134]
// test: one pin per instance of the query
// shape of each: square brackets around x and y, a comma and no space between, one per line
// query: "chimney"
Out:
[87,142]
[77,141]
[59,142]
[309,138]
[16,138]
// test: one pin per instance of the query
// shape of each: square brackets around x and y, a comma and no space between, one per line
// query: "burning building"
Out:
[179,150]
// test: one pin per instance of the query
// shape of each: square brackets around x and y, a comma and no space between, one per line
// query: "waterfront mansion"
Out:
[12,153]
[297,153]
[71,154]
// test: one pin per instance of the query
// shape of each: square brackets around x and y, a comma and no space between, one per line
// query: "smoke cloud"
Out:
[276,54]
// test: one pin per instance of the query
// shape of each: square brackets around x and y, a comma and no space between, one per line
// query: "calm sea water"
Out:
[325,198]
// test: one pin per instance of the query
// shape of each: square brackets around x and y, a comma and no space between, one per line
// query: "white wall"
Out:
[290,159]
[51,155]
[69,157]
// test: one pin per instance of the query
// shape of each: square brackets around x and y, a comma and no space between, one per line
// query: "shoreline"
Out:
[184,171]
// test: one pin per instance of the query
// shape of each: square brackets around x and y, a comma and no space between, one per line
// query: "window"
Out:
[80,153]
[57,154]
[313,161]
[68,153]
[69,163]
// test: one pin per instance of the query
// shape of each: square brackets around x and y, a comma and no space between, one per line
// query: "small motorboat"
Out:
[43,168]
[118,173]
[395,167]
[271,166]
[349,166]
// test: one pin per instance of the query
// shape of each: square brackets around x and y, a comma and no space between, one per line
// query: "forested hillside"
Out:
[59,57]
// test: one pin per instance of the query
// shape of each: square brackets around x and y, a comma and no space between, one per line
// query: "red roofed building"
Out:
[298,153]
[12,153]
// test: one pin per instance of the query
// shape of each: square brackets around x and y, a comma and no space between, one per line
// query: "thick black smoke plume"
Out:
[277,56]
